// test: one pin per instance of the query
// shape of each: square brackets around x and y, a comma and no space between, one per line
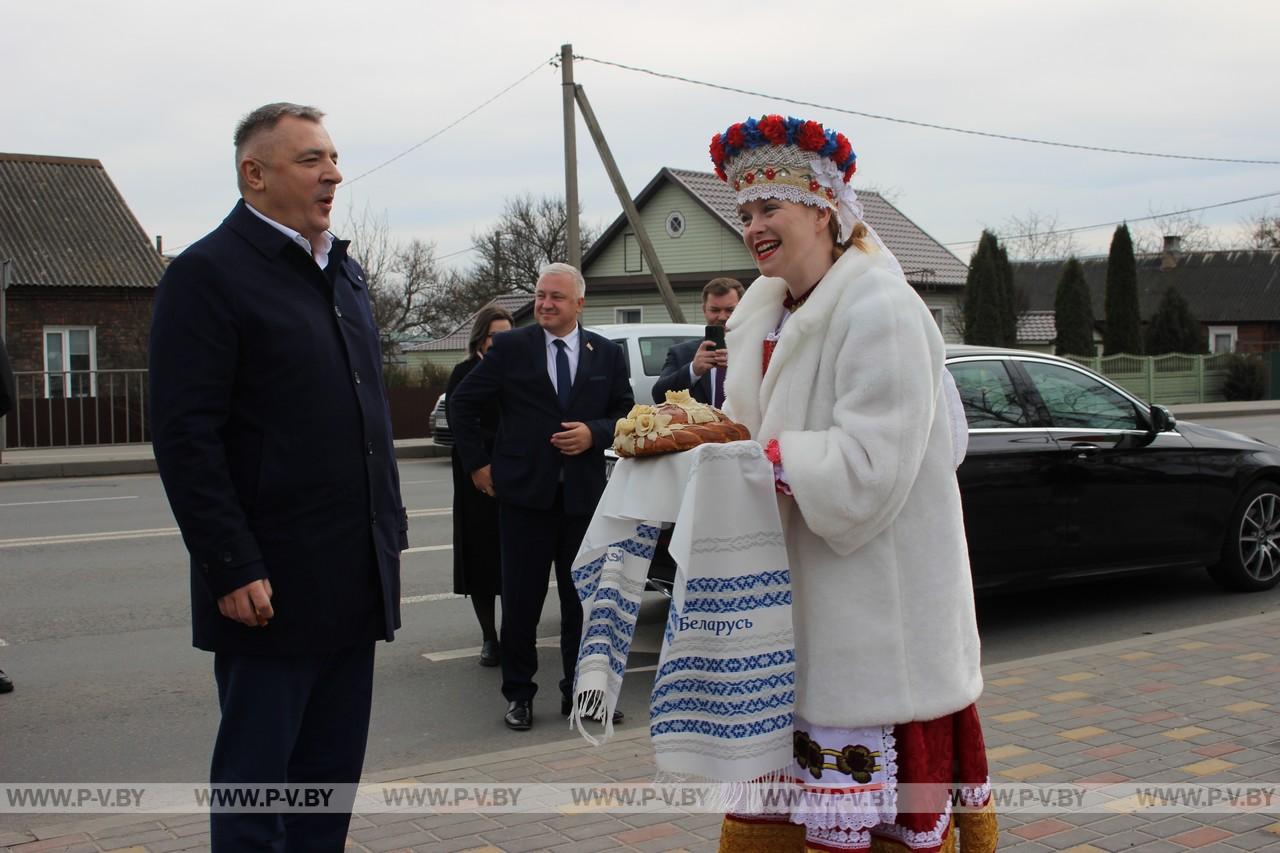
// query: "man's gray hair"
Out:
[573,272]
[265,118]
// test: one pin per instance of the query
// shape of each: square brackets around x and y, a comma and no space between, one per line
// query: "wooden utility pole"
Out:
[629,207]
[570,158]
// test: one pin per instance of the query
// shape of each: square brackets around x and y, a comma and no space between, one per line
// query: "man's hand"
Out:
[706,358]
[250,604]
[575,439]
[483,479]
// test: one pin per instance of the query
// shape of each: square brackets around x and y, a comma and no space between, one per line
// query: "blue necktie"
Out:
[563,383]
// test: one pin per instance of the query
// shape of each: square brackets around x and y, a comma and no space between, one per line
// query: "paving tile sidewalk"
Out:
[1198,704]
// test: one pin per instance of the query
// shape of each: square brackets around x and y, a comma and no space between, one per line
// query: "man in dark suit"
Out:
[273,438]
[694,364]
[561,389]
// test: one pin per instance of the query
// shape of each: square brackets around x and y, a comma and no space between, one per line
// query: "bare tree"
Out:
[1261,229]
[408,291]
[530,233]
[1196,236]
[1036,236]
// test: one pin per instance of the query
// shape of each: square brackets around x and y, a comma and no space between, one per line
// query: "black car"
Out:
[1068,476]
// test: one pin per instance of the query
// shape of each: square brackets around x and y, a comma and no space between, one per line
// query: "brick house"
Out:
[81,277]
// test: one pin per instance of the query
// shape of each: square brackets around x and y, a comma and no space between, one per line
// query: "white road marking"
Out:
[435,596]
[422,548]
[83,538]
[2,642]
[71,501]
[474,651]
[119,535]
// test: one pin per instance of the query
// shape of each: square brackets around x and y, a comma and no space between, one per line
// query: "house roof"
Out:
[925,261]
[1037,327]
[64,224]
[516,303]
[1220,287]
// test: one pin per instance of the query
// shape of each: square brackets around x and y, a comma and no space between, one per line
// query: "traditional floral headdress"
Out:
[791,159]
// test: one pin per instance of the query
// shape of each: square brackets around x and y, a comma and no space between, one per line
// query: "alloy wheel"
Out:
[1260,537]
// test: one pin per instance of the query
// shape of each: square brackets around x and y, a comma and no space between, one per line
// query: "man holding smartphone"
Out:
[700,366]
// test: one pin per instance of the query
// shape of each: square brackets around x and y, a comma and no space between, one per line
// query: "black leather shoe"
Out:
[6,683]
[566,705]
[489,653]
[519,715]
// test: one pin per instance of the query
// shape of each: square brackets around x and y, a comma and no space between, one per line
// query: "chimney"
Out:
[1172,248]
[160,244]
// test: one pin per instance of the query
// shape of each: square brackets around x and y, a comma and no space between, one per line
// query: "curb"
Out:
[1196,411]
[147,465]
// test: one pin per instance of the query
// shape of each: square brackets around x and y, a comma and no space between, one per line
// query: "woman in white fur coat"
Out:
[837,367]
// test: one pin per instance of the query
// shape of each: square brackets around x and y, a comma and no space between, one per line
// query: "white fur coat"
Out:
[883,602]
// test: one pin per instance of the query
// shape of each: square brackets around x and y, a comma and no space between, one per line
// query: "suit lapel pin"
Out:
[590,347]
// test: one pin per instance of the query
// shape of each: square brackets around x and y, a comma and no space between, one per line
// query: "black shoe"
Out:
[566,705]
[6,683]
[489,653]
[519,715]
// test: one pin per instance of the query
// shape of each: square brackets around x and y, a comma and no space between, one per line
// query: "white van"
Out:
[646,345]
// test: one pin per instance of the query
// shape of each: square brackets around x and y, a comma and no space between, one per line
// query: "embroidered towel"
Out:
[724,696]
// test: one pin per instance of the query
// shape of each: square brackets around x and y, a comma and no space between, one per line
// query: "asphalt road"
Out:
[94,629]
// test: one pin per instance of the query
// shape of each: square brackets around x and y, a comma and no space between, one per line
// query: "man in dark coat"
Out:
[560,389]
[273,438]
[694,364]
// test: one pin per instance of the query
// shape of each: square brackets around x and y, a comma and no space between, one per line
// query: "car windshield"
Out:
[653,350]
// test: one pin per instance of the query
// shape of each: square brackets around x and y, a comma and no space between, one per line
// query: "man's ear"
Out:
[252,175]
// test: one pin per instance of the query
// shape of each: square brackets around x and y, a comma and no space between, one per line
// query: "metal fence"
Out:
[78,408]
[1168,379]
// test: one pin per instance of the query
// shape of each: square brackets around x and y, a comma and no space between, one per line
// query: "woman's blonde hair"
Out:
[856,237]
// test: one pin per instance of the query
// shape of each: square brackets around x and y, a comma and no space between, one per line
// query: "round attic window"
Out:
[675,223]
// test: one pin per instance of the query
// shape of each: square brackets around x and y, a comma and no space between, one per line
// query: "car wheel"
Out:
[1251,551]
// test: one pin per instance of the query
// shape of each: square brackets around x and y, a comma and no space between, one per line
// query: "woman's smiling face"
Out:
[785,238]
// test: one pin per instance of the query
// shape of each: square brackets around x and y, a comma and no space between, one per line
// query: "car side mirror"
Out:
[1162,420]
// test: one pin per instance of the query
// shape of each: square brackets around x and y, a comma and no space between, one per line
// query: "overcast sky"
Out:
[154,90]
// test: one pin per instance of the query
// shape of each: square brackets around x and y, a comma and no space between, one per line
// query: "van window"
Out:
[653,351]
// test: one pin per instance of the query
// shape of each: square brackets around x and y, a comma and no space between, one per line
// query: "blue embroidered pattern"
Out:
[735,605]
[747,707]
[727,731]
[647,531]
[723,688]
[604,650]
[611,616]
[742,583]
[784,657]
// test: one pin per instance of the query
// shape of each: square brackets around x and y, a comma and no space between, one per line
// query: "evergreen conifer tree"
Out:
[1173,328]
[1008,306]
[1073,312]
[982,302]
[1123,332]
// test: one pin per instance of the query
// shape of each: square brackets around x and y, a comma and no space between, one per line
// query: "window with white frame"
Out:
[628,315]
[1222,339]
[70,361]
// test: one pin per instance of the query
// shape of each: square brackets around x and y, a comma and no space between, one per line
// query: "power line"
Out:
[1120,221]
[459,120]
[930,125]
[541,64]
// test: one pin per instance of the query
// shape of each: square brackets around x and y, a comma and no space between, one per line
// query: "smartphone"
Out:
[715,334]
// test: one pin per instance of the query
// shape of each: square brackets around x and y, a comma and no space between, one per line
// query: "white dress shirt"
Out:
[571,350]
[318,253]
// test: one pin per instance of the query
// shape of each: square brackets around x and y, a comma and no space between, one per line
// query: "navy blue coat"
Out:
[526,466]
[675,374]
[273,438]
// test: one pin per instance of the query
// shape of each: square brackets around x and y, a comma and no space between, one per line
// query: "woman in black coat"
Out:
[477,566]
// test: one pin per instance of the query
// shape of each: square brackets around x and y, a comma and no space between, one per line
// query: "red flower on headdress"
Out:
[810,136]
[734,136]
[717,151]
[720,173]
[843,148]
[774,129]
[848,173]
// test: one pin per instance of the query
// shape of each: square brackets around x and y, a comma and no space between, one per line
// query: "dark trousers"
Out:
[533,540]
[290,719]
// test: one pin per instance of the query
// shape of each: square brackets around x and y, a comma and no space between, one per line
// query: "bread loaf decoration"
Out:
[678,424]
